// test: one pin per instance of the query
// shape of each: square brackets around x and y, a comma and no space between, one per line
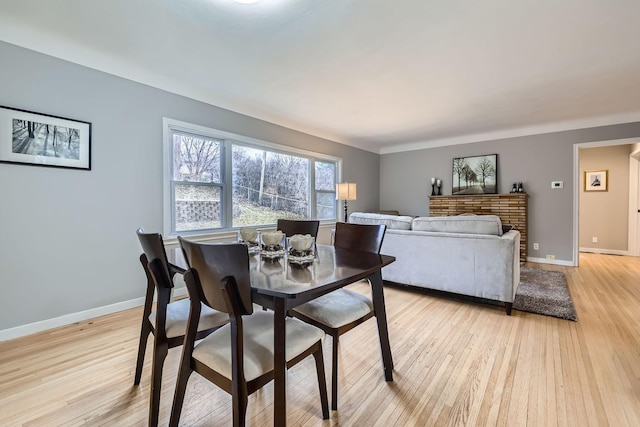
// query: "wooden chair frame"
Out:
[238,386]
[159,275]
[290,227]
[361,237]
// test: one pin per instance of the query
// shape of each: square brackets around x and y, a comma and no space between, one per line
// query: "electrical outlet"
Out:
[536,246]
[594,240]
[551,257]
[557,184]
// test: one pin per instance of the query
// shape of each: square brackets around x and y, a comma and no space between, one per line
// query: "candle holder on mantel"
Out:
[439,185]
[517,188]
[433,186]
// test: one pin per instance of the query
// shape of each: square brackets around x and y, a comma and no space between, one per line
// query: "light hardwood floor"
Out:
[456,363]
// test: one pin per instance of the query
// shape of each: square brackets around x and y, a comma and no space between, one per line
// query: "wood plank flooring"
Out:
[457,363]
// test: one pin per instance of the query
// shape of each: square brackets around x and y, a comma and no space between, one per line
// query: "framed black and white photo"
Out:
[37,139]
[597,180]
[475,175]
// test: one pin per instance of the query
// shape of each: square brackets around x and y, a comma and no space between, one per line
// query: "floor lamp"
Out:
[346,191]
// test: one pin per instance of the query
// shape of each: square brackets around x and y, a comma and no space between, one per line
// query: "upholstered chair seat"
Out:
[215,350]
[178,314]
[337,308]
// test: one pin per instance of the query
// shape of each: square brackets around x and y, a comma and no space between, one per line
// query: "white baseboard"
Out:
[551,261]
[604,251]
[68,319]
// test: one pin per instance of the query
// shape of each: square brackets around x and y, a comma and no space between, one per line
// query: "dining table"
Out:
[280,285]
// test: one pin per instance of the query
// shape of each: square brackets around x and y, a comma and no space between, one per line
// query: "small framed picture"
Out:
[597,180]
[37,139]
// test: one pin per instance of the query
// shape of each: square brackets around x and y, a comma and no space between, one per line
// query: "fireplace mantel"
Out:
[511,208]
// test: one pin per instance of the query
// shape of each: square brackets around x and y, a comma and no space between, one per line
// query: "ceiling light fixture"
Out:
[246,1]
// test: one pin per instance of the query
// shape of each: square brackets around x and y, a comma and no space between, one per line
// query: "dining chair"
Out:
[342,310]
[296,226]
[239,356]
[168,322]
[291,226]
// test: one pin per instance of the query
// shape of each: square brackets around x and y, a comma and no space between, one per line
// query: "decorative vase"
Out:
[250,238]
[249,235]
[300,242]
[272,244]
[301,249]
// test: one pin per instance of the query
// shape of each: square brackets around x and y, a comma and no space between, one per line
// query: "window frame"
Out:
[228,141]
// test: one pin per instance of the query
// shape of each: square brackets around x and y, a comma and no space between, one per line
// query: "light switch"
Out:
[557,184]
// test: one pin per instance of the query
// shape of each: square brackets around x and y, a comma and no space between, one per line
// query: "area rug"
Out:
[544,292]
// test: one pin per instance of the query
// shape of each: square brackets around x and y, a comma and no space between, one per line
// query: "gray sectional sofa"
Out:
[468,254]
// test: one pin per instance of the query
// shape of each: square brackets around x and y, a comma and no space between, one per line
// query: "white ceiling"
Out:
[384,75]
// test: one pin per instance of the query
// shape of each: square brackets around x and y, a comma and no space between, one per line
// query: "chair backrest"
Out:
[210,264]
[359,237]
[153,249]
[290,227]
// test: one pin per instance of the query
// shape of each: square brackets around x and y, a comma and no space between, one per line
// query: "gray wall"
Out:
[534,160]
[68,236]
[605,215]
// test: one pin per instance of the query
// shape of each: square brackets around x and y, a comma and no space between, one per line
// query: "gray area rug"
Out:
[544,292]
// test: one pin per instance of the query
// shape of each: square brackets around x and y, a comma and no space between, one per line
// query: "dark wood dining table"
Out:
[281,285]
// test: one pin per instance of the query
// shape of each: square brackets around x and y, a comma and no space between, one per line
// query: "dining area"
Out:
[257,306]
[454,362]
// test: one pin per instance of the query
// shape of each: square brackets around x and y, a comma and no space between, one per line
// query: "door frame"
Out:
[634,169]
[634,202]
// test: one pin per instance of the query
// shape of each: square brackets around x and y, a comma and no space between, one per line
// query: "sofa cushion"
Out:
[472,224]
[393,222]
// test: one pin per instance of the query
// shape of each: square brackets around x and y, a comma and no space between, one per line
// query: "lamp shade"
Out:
[346,191]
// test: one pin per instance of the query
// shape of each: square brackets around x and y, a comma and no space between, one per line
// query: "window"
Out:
[218,181]
[196,182]
[268,185]
[325,186]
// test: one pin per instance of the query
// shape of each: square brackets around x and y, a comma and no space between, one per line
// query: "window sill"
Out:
[229,236]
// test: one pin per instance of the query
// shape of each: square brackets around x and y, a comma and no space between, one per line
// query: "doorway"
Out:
[633,246]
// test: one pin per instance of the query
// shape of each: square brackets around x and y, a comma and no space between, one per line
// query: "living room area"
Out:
[73,286]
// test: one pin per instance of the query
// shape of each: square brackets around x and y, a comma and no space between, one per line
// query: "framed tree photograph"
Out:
[597,180]
[37,139]
[475,175]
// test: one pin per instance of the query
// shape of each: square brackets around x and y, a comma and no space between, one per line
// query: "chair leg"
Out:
[322,382]
[159,354]
[142,347]
[240,408]
[178,397]
[334,374]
